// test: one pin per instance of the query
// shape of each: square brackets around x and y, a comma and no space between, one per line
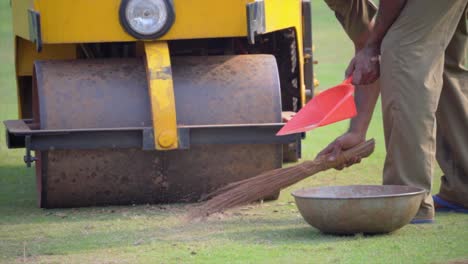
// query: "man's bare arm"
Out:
[388,12]
[365,67]
[366,96]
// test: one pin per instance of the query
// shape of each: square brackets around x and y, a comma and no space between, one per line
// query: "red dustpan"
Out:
[330,106]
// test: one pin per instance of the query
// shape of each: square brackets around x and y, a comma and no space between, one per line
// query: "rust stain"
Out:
[164,73]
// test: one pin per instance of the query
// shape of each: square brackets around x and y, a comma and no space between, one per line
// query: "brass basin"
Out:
[369,209]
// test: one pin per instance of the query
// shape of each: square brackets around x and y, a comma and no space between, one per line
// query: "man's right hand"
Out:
[365,66]
[344,142]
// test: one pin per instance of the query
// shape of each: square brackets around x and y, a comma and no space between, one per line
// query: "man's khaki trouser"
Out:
[354,15]
[424,78]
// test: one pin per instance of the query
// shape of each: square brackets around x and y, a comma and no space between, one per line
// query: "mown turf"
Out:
[263,233]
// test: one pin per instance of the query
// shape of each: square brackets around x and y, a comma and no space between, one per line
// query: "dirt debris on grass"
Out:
[138,242]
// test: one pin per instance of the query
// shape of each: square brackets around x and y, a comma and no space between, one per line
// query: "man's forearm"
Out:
[365,97]
[361,41]
[388,12]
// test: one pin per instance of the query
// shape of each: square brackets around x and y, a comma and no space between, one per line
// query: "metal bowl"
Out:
[369,209]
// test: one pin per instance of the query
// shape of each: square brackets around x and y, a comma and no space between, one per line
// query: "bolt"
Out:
[167,138]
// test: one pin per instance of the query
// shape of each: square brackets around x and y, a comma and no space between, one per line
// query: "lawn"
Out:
[271,232]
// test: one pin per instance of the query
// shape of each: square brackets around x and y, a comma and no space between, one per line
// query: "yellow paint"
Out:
[20,17]
[26,54]
[161,92]
[281,14]
[316,83]
[166,139]
[72,21]
[79,21]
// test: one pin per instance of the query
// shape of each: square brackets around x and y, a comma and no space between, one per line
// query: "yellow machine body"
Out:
[81,21]
[65,30]
[65,22]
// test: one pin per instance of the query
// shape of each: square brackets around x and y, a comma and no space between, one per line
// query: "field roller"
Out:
[116,97]
[156,101]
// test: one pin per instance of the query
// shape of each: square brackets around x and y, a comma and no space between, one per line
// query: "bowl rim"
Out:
[417,191]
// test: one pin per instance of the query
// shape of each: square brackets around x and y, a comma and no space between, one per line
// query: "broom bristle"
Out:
[258,187]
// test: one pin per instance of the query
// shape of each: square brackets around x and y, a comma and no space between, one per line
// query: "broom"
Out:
[254,189]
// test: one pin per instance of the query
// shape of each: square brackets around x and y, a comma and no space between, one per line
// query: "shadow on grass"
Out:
[17,186]
[19,203]
[285,229]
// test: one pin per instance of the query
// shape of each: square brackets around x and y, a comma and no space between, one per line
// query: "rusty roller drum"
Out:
[113,93]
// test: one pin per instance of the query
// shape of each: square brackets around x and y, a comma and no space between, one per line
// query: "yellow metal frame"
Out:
[81,21]
[20,17]
[161,92]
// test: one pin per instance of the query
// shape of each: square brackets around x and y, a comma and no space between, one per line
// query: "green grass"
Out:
[263,233]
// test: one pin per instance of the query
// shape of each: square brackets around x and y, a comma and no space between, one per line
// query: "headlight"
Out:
[146,19]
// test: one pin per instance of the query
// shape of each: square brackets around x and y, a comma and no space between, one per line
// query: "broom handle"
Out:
[362,150]
[311,167]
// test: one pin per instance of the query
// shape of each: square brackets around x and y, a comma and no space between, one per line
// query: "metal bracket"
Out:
[255,20]
[233,134]
[161,93]
[28,158]
[148,139]
[35,28]
[139,137]
[307,43]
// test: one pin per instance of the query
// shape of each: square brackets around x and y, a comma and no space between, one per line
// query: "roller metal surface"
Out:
[354,209]
[113,93]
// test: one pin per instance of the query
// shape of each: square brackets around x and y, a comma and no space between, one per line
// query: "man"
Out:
[423,50]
